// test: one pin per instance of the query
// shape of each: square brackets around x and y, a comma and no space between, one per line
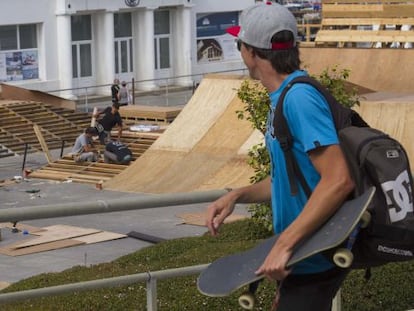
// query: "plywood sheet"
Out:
[204,108]
[56,233]
[100,237]
[11,250]
[393,116]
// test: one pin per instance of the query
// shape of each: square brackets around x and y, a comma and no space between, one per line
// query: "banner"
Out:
[17,66]
[213,43]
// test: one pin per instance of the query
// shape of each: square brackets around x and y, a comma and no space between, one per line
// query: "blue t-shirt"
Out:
[311,125]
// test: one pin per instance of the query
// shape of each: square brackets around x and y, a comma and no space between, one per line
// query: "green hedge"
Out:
[390,288]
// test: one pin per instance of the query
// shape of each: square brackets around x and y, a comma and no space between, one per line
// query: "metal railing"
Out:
[149,277]
[164,86]
[107,206]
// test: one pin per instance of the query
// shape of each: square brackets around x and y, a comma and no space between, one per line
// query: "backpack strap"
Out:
[342,117]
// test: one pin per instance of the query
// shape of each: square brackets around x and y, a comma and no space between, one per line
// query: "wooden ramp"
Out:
[133,114]
[392,113]
[381,70]
[204,148]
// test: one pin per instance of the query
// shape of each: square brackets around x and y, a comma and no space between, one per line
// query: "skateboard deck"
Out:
[227,274]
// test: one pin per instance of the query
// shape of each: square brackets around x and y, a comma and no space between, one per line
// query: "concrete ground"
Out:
[160,222]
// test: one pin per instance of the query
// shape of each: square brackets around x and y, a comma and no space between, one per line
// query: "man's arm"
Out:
[333,188]
[89,147]
[119,131]
[224,206]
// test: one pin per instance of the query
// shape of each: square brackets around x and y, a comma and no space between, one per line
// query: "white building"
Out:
[67,44]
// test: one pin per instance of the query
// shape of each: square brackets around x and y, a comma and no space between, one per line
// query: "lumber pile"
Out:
[149,114]
[56,124]
[66,169]
[368,24]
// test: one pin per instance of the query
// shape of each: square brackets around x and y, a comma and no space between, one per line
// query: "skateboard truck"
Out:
[343,257]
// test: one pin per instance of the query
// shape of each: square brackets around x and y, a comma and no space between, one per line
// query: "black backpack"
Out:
[374,159]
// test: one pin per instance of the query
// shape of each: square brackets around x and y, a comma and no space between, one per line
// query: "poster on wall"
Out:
[213,43]
[17,66]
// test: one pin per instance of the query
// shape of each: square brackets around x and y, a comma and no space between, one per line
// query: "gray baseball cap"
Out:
[260,22]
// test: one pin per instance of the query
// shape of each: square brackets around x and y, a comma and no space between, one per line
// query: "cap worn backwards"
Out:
[259,23]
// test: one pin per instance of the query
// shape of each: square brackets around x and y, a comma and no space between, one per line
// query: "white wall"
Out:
[37,12]
[46,12]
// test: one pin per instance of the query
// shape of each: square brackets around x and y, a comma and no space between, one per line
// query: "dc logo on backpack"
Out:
[398,194]
[99,127]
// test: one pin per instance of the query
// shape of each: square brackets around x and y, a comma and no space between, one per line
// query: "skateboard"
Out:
[93,120]
[337,235]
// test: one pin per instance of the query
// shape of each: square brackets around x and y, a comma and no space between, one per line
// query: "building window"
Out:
[18,52]
[27,36]
[123,43]
[81,28]
[162,39]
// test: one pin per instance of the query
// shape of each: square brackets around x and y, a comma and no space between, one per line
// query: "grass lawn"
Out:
[390,288]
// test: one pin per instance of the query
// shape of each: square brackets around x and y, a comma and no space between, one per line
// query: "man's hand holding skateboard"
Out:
[274,267]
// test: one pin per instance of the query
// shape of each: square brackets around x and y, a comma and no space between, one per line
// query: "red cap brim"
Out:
[234,30]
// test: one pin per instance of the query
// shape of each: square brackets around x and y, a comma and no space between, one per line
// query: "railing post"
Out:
[151,294]
[86,99]
[26,147]
[133,91]
[62,147]
[166,94]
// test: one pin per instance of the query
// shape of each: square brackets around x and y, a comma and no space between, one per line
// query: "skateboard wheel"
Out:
[343,258]
[365,219]
[247,301]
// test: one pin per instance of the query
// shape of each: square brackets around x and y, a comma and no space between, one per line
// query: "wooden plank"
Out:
[100,237]
[368,10]
[93,120]
[9,250]
[56,233]
[89,177]
[326,2]
[364,36]
[84,181]
[50,175]
[366,21]
[42,143]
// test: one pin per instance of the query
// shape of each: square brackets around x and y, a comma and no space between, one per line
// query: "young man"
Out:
[267,38]
[111,117]
[115,91]
[123,95]
[83,149]
[117,152]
